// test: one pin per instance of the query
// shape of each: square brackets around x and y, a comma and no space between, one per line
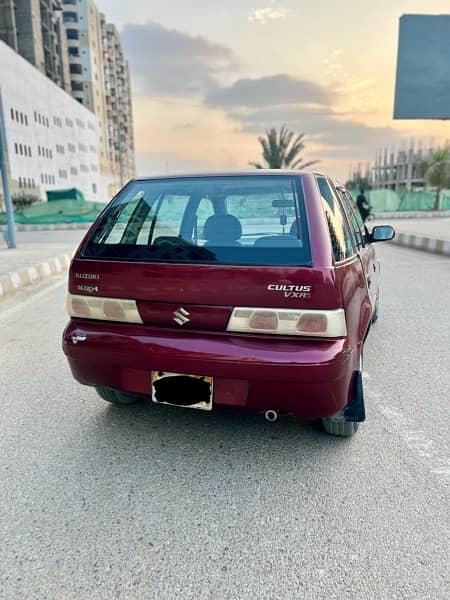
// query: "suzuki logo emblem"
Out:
[181,316]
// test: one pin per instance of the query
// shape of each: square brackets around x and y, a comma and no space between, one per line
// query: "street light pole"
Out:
[11,235]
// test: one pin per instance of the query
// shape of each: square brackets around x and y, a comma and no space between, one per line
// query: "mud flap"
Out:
[355,410]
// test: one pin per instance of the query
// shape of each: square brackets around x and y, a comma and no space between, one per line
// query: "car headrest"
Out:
[221,229]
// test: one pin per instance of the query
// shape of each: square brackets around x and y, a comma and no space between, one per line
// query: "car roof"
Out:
[263,172]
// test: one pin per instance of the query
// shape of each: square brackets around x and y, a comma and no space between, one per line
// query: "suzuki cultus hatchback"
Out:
[253,290]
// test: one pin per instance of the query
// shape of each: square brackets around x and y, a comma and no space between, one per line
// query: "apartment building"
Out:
[52,140]
[119,116]
[34,29]
[100,81]
[82,25]
[71,42]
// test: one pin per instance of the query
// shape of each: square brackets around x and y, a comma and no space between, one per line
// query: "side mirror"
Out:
[382,233]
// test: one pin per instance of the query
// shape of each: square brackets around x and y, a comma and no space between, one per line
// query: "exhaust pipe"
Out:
[271,415]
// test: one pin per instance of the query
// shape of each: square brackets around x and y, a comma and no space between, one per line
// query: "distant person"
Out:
[363,205]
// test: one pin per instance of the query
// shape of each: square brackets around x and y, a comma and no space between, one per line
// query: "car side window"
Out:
[351,216]
[358,218]
[341,239]
[166,222]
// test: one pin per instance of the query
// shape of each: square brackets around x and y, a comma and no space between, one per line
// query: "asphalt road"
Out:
[100,502]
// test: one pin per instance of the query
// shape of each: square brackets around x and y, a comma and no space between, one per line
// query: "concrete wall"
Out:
[60,134]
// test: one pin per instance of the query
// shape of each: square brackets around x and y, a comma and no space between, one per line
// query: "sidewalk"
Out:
[38,256]
[430,235]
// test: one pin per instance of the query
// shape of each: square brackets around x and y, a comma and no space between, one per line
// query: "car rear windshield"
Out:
[249,220]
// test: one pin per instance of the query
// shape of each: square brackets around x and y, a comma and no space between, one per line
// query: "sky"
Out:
[210,76]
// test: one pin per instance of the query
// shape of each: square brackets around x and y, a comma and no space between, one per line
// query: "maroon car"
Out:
[253,290]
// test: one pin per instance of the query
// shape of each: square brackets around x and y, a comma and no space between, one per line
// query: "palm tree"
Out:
[437,174]
[281,151]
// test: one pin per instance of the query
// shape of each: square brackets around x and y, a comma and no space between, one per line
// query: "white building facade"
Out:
[52,140]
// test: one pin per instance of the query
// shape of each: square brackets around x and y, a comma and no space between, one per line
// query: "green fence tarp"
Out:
[57,211]
[390,201]
[69,194]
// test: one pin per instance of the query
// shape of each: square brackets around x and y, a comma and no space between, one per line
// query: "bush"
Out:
[23,200]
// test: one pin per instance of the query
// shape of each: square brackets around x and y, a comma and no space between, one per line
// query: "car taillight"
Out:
[105,309]
[314,323]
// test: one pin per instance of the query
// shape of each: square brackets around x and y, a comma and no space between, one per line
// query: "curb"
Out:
[14,281]
[49,227]
[425,214]
[424,243]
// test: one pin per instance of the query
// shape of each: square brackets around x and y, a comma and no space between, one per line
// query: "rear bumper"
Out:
[309,379]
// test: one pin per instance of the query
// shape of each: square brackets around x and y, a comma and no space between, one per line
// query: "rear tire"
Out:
[339,428]
[117,396]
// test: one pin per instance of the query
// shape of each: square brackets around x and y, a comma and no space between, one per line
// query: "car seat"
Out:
[222,230]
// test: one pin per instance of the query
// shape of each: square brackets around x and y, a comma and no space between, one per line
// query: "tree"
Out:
[282,150]
[437,174]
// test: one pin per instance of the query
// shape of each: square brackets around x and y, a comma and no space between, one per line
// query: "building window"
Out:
[26,120]
[20,182]
[73,34]
[94,188]
[73,171]
[76,69]
[21,118]
[70,17]
[12,114]
[16,148]
[69,122]
[20,150]
[74,51]
[72,2]
[77,86]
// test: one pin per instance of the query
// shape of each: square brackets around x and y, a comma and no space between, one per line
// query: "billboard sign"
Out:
[422,88]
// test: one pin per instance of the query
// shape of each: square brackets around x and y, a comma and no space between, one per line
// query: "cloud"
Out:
[266,14]
[160,163]
[334,131]
[268,91]
[167,61]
